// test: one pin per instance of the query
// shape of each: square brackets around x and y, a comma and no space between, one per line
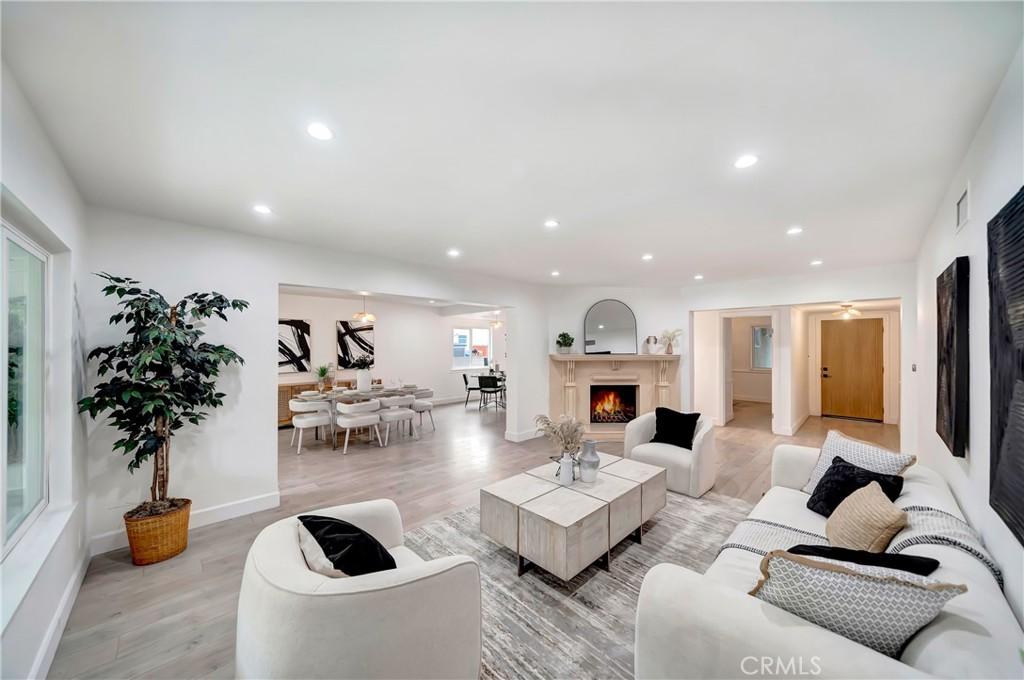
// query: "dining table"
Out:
[331,398]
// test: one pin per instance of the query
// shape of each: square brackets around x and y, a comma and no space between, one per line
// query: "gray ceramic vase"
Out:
[589,461]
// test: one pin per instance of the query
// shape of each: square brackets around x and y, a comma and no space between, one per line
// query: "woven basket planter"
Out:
[158,538]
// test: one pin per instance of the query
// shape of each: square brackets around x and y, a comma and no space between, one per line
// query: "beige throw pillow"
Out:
[866,520]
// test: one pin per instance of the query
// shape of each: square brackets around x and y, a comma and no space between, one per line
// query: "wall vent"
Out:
[963,208]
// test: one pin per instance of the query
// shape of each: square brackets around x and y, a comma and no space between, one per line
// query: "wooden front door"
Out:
[851,368]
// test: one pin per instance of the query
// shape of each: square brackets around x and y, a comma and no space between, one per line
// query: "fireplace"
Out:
[612,403]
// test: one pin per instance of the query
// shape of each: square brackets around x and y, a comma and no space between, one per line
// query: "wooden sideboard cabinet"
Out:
[284,395]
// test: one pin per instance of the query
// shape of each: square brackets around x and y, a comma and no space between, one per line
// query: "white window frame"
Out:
[9,233]
[490,346]
[753,333]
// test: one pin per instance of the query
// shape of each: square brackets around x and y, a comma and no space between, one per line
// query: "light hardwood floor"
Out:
[176,619]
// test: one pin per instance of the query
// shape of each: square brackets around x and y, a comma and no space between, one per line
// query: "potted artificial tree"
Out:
[564,342]
[162,376]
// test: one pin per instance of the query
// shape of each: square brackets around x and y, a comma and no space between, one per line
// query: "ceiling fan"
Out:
[846,312]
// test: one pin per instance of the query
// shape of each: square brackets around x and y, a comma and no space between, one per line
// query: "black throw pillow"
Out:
[350,549]
[915,564]
[842,479]
[675,428]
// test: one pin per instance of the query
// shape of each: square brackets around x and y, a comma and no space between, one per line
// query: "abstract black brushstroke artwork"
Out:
[354,340]
[1006,358]
[292,346]
[952,387]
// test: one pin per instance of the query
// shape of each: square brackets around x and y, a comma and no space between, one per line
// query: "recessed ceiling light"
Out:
[794,230]
[432,301]
[600,326]
[261,209]
[319,131]
[556,273]
[816,263]
[698,277]
[364,292]
[454,252]
[745,161]
[550,224]
[647,257]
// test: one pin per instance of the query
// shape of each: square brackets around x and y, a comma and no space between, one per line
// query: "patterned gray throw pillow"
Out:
[878,607]
[861,454]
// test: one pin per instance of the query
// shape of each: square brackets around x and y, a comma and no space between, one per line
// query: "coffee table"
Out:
[565,529]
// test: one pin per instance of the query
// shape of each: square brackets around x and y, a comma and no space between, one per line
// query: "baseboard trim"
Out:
[798,423]
[524,435]
[114,540]
[50,642]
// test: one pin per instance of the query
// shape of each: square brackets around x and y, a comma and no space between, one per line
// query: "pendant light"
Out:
[364,316]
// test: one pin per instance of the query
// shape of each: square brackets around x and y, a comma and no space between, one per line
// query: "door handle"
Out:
[824,372]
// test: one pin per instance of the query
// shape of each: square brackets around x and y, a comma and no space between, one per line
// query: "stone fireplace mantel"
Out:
[656,377]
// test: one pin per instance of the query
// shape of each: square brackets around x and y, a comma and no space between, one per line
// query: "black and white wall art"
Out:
[292,345]
[355,338]
[953,361]
[1006,360]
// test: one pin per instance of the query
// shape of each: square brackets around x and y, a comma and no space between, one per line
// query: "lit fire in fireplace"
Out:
[613,405]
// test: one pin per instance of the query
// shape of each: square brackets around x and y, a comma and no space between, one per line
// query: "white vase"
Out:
[589,462]
[565,470]
[363,380]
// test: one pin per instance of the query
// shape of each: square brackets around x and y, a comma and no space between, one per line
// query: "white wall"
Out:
[994,166]
[228,466]
[41,575]
[748,384]
[411,342]
[799,363]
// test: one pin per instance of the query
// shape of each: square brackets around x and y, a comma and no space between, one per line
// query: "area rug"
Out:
[537,626]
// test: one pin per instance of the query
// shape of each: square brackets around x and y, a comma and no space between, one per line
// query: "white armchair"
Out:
[689,471]
[296,623]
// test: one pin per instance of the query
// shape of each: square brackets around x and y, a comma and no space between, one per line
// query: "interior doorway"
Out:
[747,370]
[852,383]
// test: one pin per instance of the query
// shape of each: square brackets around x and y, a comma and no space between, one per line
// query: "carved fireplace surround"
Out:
[656,377]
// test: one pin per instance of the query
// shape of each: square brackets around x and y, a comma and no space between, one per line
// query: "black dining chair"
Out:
[491,391]
[469,389]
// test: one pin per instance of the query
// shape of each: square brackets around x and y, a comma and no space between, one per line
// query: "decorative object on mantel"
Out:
[564,342]
[1005,273]
[953,363]
[670,336]
[589,461]
[566,434]
[609,328]
[163,375]
[322,373]
[651,344]
[362,363]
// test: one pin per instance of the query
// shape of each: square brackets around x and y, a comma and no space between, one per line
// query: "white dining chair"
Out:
[396,410]
[358,415]
[308,414]
[422,406]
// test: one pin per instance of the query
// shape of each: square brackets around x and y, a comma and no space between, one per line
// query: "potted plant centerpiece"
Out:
[363,363]
[322,373]
[160,377]
[670,336]
[564,342]
[567,434]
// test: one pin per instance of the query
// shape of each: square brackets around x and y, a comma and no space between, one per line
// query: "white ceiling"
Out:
[467,125]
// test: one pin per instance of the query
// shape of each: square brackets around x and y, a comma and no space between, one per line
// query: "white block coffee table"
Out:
[564,529]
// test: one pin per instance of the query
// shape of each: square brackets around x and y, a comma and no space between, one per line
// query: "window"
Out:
[471,348]
[23,329]
[761,348]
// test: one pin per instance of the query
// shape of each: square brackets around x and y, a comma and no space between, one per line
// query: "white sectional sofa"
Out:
[706,626]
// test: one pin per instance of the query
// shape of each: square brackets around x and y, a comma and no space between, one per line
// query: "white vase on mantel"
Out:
[363,380]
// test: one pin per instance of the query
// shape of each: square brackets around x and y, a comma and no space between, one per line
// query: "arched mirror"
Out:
[609,328]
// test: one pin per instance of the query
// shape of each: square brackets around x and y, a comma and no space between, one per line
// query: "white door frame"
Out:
[890,362]
[726,316]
